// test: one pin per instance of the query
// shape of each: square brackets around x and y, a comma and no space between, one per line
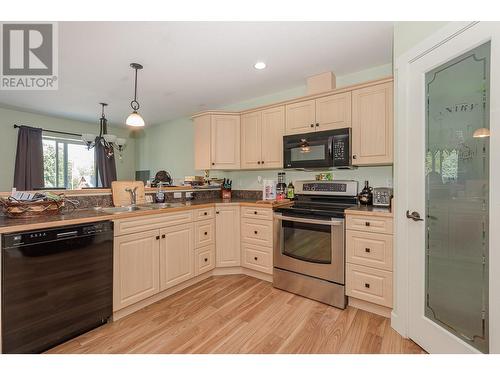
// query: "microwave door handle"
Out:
[330,149]
[309,221]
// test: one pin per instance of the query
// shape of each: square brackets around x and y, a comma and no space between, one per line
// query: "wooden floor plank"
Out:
[241,314]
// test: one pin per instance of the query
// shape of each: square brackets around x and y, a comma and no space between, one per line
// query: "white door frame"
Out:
[400,314]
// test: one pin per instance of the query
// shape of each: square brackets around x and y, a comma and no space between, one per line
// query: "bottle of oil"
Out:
[290,192]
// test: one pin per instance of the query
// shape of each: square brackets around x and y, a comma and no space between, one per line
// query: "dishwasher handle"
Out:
[304,220]
[72,233]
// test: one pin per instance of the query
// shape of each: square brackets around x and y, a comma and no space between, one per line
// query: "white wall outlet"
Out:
[189,195]
[149,198]
[259,180]
[388,182]
[177,195]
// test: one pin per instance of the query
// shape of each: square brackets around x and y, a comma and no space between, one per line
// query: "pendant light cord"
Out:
[134,103]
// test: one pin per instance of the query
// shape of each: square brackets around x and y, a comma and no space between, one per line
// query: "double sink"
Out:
[138,207]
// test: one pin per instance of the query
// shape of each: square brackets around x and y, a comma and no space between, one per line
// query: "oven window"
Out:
[317,152]
[308,242]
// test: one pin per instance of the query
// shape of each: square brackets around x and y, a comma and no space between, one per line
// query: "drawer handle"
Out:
[255,231]
[205,213]
[367,223]
[217,212]
[367,285]
[206,233]
[367,249]
[255,258]
[206,259]
[255,212]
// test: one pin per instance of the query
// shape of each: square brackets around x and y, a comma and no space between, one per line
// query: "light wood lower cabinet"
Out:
[257,239]
[227,224]
[176,255]
[259,258]
[205,259]
[136,271]
[369,259]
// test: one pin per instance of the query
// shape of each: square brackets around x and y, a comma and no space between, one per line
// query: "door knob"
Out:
[415,216]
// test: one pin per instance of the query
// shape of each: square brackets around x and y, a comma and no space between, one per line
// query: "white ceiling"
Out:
[190,66]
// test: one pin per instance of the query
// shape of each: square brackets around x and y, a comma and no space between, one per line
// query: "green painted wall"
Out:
[407,34]
[169,146]
[8,141]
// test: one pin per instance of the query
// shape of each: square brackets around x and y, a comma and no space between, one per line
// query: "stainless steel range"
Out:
[309,241]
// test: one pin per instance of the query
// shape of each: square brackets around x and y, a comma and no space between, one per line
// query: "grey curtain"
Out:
[105,167]
[28,170]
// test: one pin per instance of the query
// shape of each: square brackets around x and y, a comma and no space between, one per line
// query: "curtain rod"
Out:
[52,131]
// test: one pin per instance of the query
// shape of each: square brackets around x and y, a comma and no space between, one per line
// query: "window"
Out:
[67,164]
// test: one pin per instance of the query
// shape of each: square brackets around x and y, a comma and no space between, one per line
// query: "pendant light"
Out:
[135,119]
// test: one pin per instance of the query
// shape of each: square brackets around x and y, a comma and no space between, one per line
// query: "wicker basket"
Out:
[19,209]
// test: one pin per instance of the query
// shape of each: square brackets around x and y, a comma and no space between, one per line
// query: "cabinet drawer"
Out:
[369,284]
[141,224]
[204,213]
[369,223]
[204,233]
[258,258]
[257,232]
[369,249]
[205,259]
[257,213]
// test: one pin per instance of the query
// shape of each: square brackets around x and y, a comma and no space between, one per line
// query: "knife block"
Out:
[226,193]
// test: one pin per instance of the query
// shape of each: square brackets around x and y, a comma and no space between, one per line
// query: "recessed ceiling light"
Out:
[260,65]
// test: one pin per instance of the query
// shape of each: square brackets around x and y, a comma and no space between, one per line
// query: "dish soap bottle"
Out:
[290,193]
[365,197]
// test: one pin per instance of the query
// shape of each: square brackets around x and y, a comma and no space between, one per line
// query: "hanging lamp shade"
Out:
[135,119]
[481,133]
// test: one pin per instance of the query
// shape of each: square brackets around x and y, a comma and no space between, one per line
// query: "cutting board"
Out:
[121,197]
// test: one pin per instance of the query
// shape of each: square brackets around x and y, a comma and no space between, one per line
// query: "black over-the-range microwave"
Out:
[318,150]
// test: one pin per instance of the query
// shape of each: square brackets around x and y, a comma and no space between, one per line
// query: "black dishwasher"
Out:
[56,284]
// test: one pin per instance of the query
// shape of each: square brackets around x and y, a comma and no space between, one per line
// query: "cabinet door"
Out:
[300,117]
[225,141]
[227,238]
[251,144]
[176,255]
[333,112]
[136,269]
[372,125]
[202,155]
[273,128]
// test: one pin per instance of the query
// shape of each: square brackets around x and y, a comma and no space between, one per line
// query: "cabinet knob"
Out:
[367,285]
[262,161]
[205,213]
[367,249]
[206,233]
[206,259]
[162,236]
[354,156]
[312,125]
[213,163]
[255,258]
[317,124]
[255,212]
[217,212]
[157,237]
[255,231]
[258,162]
[367,223]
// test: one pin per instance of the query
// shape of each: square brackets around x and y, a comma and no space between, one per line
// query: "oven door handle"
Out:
[309,221]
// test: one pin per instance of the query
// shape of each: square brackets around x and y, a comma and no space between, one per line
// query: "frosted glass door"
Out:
[457,195]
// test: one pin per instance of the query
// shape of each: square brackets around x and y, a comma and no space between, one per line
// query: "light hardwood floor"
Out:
[241,314]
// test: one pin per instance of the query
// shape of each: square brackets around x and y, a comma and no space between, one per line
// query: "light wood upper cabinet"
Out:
[273,128]
[227,228]
[202,134]
[176,255]
[251,140]
[262,139]
[217,141]
[225,142]
[300,117]
[372,125]
[136,269]
[333,112]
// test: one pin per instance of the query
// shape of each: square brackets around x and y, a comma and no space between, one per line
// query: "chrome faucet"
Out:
[133,195]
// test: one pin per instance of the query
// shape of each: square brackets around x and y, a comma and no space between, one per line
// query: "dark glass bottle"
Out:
[365,197]
[290,191]
[281,187]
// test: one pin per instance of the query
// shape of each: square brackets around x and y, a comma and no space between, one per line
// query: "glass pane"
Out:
[309,242]
[81,172]
[317,152]
[457,184]
[49,163]
[60,165]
